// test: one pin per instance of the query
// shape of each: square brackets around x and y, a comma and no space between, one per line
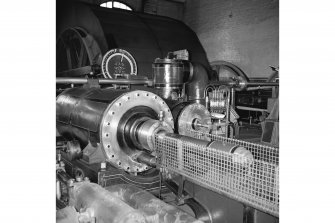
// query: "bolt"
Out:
[103,166]
[79,179]
[59,157]
[161,115]
[86,179]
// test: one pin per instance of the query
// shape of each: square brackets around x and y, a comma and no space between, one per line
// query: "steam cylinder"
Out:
[121,122]
[79,112]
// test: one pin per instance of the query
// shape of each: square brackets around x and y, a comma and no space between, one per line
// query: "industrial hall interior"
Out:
[167,111]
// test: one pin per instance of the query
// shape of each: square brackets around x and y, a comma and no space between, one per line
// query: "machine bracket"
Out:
[181,198]
[93,154]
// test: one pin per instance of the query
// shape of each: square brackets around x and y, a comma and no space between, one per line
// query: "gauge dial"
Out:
[118,63]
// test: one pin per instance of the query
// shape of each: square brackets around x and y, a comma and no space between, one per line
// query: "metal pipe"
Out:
[70,80]
[251,108]
[227,115]
[233,98]
[195,88]
[262,84]
[234,83]
[58,190]
[258,88]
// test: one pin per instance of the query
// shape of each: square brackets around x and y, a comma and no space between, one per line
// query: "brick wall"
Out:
[244,32]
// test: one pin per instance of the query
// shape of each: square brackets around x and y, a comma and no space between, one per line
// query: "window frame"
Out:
[128,7]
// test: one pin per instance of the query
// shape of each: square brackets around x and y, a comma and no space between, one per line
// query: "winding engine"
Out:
[137,129]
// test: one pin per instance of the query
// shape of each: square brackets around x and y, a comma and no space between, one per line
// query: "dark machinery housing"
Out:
[145,128]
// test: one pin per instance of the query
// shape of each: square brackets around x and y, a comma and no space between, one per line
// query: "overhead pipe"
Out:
[262,84]
[70,80]
[238,71]
[241,82]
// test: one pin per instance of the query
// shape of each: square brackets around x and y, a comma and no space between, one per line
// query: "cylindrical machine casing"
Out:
[109,118]
[190,117]
[169,76]
[176,109]
[79,112]
[147,131]
[243,156]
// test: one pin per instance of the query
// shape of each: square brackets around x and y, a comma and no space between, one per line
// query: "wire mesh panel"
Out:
[260,152]
[254,181]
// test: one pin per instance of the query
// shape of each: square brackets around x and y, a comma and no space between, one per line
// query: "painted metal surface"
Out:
[124,204]
[145,36]
[111,119]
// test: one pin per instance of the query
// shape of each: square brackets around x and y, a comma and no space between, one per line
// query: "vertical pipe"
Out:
[227,115]
[58,191]
[233,98]
[195,88]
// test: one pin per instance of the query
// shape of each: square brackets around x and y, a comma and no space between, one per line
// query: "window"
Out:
[116,4]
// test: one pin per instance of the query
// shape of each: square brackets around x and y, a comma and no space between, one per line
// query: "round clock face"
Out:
[118,63]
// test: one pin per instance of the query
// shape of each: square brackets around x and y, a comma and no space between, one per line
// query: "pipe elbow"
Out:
[197,81]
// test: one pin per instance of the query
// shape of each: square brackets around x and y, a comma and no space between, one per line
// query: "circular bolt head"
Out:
[86,179]
[103,165]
